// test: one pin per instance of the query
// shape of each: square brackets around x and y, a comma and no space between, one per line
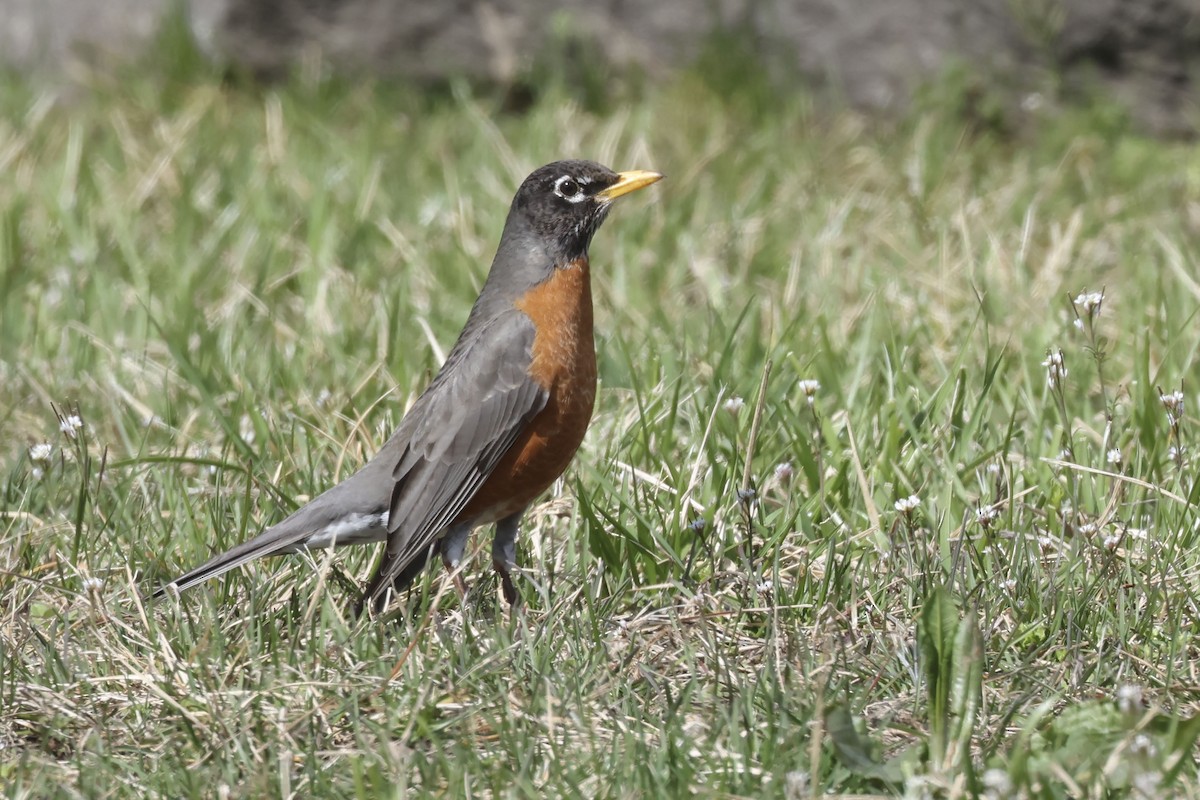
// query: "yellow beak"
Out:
[628,182]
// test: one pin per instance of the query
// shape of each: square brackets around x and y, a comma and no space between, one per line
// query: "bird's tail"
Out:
[281,538]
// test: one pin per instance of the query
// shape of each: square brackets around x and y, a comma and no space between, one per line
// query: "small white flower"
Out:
[1143,745]
[1111,541]
[764,587]
[906,505]
[323,397]
[1140,534]
[70,425]
[795,785]
[1129,699]
[986,515]
[1078,323]
[246,429]
[1056,368]
[809,388]
[1089,302]
[997,784]
[93,584]
[1088,528]
[37,473]
[1113,456]
[1173,403]
[1009,584]
[41,452]
[784,472]
[734,405]
[1147,785]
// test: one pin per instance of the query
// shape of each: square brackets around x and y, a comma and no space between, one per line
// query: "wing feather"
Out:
[482,406]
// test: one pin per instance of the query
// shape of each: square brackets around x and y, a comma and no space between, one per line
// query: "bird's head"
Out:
[563,203]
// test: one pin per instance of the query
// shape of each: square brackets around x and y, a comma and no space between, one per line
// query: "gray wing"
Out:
[470,418]
[444,449]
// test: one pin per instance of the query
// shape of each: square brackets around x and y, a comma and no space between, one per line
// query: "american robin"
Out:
[503,416]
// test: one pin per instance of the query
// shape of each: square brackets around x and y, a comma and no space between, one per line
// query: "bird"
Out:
[501,419]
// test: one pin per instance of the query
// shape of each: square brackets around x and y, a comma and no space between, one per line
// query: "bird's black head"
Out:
[562,204]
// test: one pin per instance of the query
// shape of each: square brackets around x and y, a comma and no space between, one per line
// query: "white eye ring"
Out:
[565,184]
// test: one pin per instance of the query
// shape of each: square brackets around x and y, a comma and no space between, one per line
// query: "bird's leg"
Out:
[504,554]
[453,545]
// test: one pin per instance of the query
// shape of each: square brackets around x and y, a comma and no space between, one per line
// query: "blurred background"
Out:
[871,54]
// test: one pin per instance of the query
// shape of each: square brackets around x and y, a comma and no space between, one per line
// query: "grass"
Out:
[239,290]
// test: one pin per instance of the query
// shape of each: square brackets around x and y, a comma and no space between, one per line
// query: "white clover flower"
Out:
[1113,456]
[41,452]
[734,405]
[906,505]
[1129,699]
[70,425]
[809,388]
[1056,368]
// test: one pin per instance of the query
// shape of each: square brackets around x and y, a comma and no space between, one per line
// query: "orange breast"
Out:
[564,363]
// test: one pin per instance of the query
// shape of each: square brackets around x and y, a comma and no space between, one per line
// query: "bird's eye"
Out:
[567,188]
